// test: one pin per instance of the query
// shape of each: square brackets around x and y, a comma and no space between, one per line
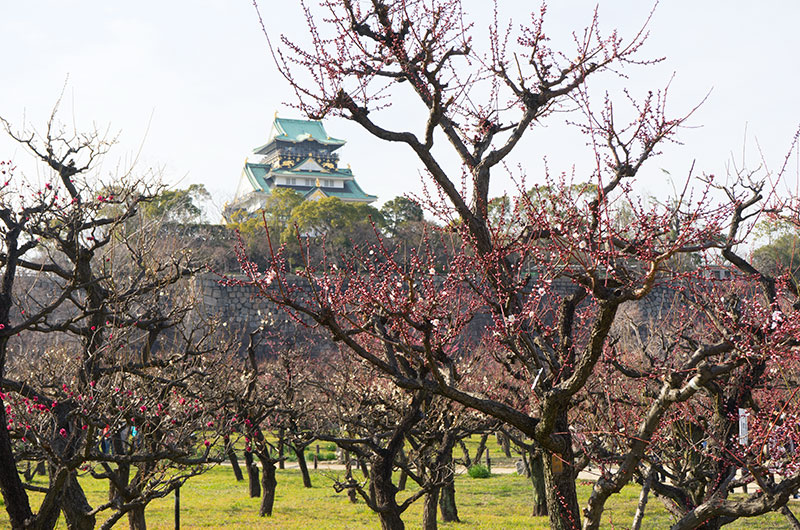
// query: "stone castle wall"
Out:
[241,310]
[237,306]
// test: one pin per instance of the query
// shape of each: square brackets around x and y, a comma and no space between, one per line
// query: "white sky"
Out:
[192,84]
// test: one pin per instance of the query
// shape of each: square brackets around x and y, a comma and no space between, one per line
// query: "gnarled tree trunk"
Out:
[444,475]
[643,495]
[237,471]
[348,475]
[447,495]
[504,443]
[281,442]
[136,520]
[301,462]
[562,496]
[252,475]
[123,471]
[537,481]
[268,486]
[429,509]
[447,503]
[75,506]
[14,495]
[384,492]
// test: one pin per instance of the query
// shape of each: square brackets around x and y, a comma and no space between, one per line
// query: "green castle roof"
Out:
[301,130]
[261,177]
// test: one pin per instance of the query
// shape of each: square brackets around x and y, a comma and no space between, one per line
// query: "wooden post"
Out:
[488,461]
[178,508]
[316,461]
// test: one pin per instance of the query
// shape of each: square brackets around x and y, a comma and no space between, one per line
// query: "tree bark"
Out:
[14,494]
[637,519]
[75,506]
[363,466]
[237,471]
[562,495]
[429,509]
[384,492]
[136,520]
[348,475]
[252,475]
[123,471]
[301,461]
[503,442]
[50,508]
[537,481]
[447,503]
[447,496]
[481,448]
[281,437]
[402,480]
[27,475]
[268,487]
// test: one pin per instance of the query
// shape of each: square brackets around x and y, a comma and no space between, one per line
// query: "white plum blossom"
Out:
[777,318]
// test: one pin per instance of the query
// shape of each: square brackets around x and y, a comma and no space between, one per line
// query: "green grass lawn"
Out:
[216,500]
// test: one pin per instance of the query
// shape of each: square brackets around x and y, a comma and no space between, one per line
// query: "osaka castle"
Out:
[300,156]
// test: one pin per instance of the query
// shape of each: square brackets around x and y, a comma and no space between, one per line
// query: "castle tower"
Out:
[301,156]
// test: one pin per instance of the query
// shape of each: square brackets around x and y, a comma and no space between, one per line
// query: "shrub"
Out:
[478,471]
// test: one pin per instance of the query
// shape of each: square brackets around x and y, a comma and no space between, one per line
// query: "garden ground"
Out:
[216,500]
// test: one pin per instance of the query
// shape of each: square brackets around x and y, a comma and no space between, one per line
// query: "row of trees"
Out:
[573,372]
[105,369]
[110,371]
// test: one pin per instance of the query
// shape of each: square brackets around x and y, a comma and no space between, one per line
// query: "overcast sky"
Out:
[191,88]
